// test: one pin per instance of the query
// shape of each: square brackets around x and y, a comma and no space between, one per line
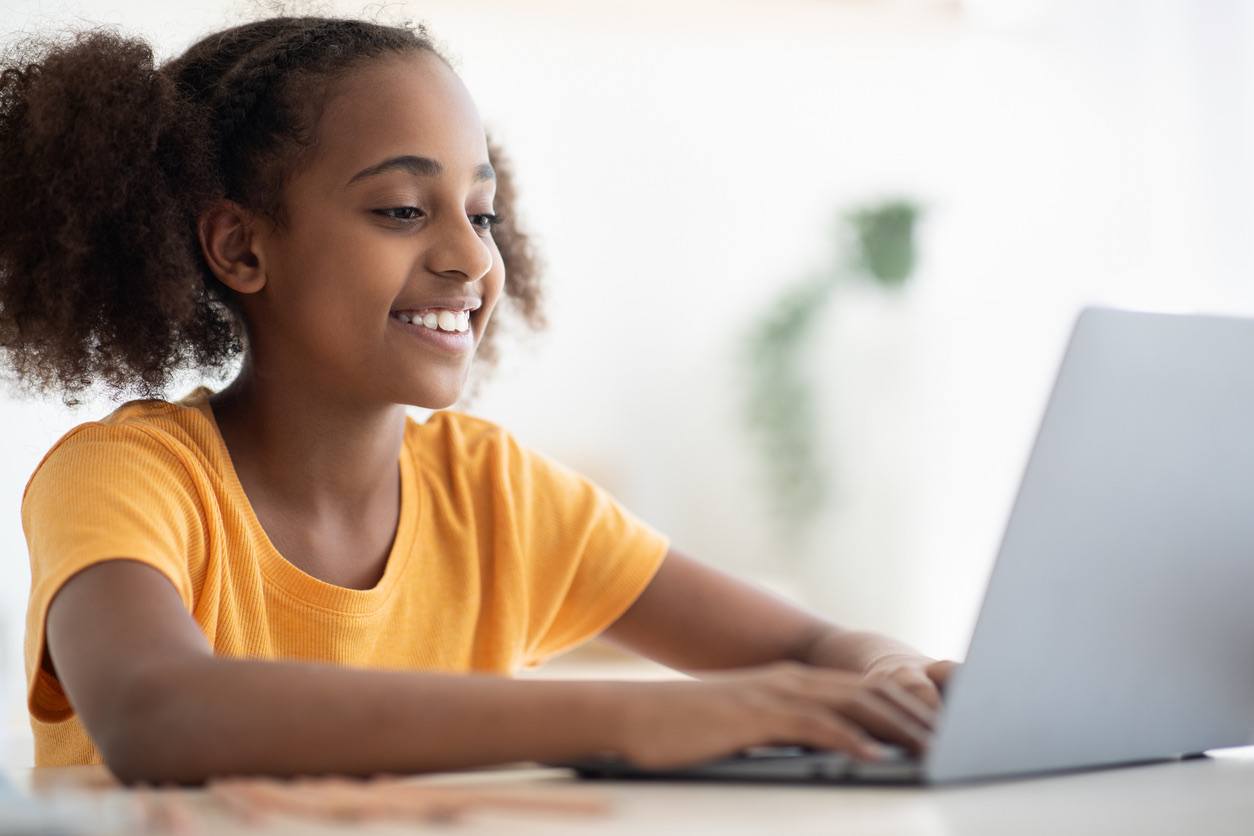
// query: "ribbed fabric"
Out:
[502,558]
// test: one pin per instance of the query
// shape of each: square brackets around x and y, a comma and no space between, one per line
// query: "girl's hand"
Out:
[671,724]
[923,677]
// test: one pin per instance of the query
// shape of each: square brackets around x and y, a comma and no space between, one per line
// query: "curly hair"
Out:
[107,160]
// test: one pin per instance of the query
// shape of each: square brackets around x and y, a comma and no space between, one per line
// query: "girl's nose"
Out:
[459,248]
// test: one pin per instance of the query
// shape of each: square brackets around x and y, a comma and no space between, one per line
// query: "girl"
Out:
[290,575]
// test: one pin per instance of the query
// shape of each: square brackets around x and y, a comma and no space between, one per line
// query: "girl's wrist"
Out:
[860,651]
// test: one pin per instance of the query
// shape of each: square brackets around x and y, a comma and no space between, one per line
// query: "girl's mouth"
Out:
[418,324]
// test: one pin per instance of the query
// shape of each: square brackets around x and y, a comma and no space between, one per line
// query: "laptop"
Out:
[1118,623]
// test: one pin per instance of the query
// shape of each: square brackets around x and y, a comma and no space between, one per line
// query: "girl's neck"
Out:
[305,451]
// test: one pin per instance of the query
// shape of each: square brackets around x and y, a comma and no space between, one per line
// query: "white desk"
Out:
[1213,797]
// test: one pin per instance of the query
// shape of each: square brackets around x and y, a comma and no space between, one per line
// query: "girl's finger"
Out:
[916,707]
[919,685]
[821,728]
[939,672]
[886,721]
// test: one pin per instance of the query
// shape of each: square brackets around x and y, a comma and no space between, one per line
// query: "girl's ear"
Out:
[228,240]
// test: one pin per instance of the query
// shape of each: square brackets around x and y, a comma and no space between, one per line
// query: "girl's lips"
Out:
[450,342]
[457,303]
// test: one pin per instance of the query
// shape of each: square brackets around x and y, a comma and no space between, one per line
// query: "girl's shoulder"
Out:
[145,432]
[459,445]
[189,410]
[448,438]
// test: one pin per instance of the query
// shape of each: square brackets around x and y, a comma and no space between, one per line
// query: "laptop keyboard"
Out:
[791,764]
[898,766]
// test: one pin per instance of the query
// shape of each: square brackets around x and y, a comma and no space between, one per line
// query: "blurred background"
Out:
[707,181]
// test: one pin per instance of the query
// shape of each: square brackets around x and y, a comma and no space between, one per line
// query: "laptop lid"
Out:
[1118,622]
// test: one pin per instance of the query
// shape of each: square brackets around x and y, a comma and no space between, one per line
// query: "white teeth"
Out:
[457,322]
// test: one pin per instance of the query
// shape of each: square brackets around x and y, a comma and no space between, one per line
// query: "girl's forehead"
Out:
[406,104]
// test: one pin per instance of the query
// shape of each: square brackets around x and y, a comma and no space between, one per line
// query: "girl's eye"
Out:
[413,213]
[483,221]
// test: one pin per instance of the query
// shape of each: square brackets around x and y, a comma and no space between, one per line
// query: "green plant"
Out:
[877,245]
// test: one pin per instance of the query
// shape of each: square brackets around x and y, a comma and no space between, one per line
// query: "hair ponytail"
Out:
[103,168]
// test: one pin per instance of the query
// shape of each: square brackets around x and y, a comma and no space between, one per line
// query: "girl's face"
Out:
[390,217]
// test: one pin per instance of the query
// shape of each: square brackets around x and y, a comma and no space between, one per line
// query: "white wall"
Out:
[680,162]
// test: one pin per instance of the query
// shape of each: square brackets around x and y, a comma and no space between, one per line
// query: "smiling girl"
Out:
[291,575]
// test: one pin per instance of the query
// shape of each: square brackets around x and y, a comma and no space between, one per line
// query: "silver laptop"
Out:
[1118,624]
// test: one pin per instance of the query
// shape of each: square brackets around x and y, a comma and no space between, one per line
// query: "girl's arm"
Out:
[161,707]
[692,617]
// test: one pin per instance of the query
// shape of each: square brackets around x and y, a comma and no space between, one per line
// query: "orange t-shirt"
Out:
[502,557]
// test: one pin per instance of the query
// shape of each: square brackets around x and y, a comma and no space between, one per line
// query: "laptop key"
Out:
[757,752]
[897,765]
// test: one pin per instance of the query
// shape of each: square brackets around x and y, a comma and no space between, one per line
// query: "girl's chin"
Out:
[434,395]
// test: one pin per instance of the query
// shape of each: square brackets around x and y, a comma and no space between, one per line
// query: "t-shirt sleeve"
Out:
[103,492]
[588,557]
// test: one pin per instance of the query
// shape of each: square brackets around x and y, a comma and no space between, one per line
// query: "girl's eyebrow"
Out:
[421,166]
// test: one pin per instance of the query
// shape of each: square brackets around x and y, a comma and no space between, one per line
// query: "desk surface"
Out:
[1214,796]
